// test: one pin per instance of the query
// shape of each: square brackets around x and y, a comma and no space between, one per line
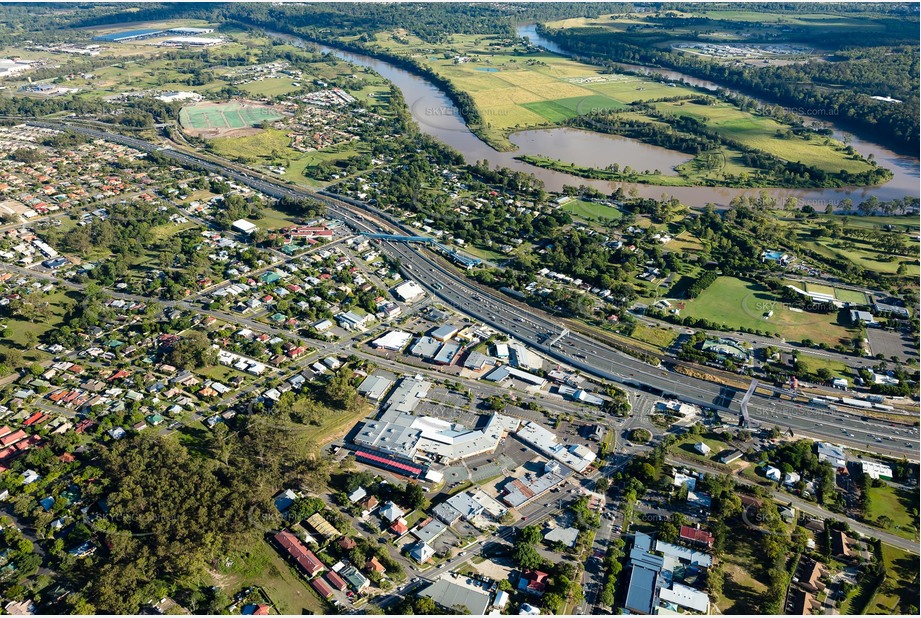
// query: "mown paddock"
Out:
[231,115]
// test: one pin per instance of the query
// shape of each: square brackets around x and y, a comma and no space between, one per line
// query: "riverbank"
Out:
[438,116]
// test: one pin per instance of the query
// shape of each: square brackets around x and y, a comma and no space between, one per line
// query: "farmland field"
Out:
[515,88]
[737,303]
[533,90]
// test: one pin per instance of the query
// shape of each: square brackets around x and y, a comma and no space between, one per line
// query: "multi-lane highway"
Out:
[530,325]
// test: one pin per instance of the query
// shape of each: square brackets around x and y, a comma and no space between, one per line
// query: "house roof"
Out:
[696,534]
[303,556]
[375,565]
[399,526]
[537,580]
[336,581]
[391,511]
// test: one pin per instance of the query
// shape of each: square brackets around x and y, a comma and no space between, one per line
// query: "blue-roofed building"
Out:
[284,500]
[641,590]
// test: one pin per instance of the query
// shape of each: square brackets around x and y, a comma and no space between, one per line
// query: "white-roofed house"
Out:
[391,512]
[773,473]
[702,448]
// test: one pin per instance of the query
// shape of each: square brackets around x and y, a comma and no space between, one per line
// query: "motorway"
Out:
[526,324]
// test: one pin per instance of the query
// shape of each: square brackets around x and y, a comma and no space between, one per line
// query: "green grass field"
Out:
[592,211]
[813,363]
[900,590]
[167,230]
[863,255]
[685,448]
[844,295]
[271,147]
[16,334]
[737,303]
[270,87]
[761,132]
[876,221]
[895,504]
[657,336]
[257,563]
[231,115]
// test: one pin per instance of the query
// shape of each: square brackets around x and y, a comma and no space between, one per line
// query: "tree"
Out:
[425,606]
[715,580]
[530,534]
[527,557]
[340,392]
[495,403]
[668,532]
[14,358]
[640,435]
[414,496]
[552,602]
[192,351]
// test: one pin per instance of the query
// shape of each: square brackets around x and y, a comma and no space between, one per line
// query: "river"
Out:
[437,116]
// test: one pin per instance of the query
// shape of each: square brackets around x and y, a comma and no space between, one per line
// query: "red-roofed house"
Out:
[322,588]
[696,536]
[296,550]
[256,610]
[305,558]
[336,581]
[399,527]
[12,438]
[374,565]
[33,419]
[533,582]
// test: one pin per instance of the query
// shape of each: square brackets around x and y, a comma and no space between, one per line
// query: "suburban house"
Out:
[421,552]
[696,536]
[533,582]
[391,512]
[304,558]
